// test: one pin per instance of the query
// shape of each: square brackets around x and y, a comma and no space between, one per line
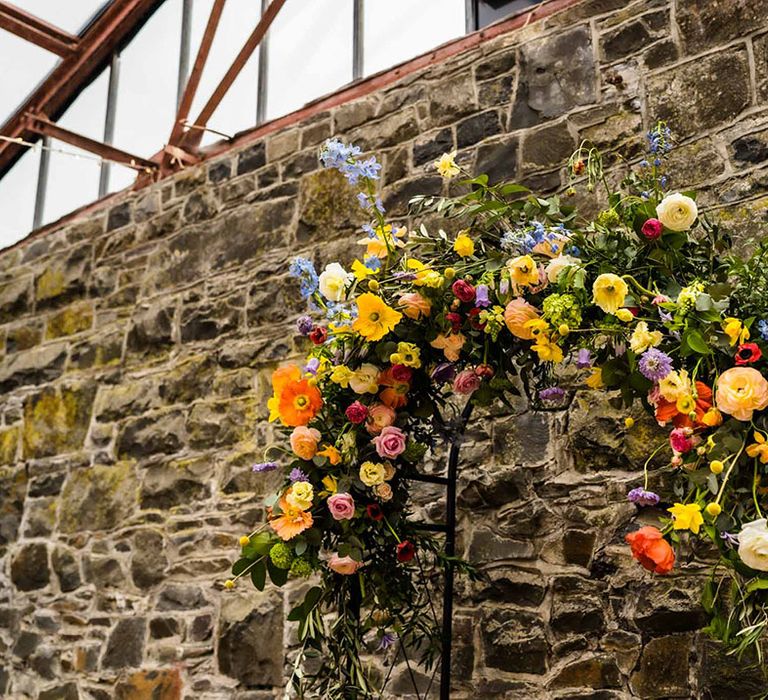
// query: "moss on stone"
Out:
[50,284]
[23,337]
[56,420]
[9,441]
[328,201]
[69,321]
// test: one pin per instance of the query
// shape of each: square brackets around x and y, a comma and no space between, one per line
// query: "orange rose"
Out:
[516,315]
[414,305]
[741,391]
[651,549]
[304,441]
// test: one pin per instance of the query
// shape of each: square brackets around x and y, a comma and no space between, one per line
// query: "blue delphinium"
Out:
[762,328]
[304,270]
[344,158]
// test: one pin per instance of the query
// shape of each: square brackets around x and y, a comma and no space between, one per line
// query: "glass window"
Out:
[73,182]
[237,110]
[71,16]
[490,11]
[310,52]
[17,198]
[22,65]
[396,30]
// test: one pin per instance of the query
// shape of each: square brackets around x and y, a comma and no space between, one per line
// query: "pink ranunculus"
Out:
[390,442]
[343,565]
[402,373]
[463,290]
[341,506]
[682,440]
[379,417]
[652,229]
[467,382]
[356,413]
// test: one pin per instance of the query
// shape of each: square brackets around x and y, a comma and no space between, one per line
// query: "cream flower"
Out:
[333,282]
[446,165]
[557,265]
[675,385]
[677,212]
[300,495]
[741,391]
[642,338]
[753,544]
[365,380]
[372,473]
[609,292]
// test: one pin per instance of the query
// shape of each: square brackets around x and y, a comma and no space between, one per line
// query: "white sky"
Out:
[310,54]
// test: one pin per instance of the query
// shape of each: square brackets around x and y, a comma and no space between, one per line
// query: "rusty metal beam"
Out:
[37,31]
[193,137]
[41,125]
[116,24]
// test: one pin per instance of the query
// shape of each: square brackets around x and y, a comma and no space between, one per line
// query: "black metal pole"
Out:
[450,550]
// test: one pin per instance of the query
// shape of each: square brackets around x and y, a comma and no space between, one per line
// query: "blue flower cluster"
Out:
[526,239]
[659,144]
[304,270]
[344,158]
[762,328]
[365,202]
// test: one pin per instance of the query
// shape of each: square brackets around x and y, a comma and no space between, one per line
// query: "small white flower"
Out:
[557,265]
[677,212]
[333,282]
[753,544]
[446,165]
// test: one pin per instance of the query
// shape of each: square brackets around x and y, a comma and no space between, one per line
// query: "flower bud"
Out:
[244,540]
[713,509]
[716,466]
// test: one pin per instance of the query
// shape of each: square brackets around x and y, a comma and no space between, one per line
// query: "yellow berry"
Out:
[449,273]
[716,466]
[373,285]
[629,422]
[229,584]
[244,540]
[563,329]
[713,509]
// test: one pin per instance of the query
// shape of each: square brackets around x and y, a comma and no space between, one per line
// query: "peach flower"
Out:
[517,314]
[304,441]
[414,305]
[379,417]
[741,391]
[343,565]
[292,521]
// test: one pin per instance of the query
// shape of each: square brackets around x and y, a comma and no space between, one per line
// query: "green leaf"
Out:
[311,599]
[696,342]
[278,576]
[301,547]
[241,565]
[758,584]
[259,575]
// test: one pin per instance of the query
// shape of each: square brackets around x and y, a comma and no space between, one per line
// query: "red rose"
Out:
[405,551]
[356,413]
[652,229]
[318,335]
[463,290]
[455,320]
[401,373]
[374,512]
[747,353]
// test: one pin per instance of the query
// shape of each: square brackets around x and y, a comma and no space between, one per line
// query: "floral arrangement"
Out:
[645,300]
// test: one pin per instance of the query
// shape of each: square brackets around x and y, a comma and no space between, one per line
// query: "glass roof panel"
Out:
[17,198]
[69,15]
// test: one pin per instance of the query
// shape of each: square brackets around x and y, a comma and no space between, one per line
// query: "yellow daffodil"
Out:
[735,330]
[687,516]
[330,484]
[332,454]
[523,271]
[341,375]
[609,292]
[375,319]
[642,339]
[360,271]
[425,277]
[595,380]
[546,349]
[759,448]
[446,165]
[464,245]
[407,354]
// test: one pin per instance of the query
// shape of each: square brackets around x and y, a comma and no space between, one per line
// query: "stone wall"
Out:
[137,344]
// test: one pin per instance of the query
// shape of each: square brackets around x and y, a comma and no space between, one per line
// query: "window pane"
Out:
[310,52]
[70,15]
[17,198]
[396,30]
[73,182]
[490,11]
[237,110]
[22,66]
[149,67]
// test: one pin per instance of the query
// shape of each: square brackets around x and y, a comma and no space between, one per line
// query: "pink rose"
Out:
[390,442]
[342,506]
[379,417]
[463,290]
[356,413]
[683,440]
[652,229]
[343,565]
[467,382]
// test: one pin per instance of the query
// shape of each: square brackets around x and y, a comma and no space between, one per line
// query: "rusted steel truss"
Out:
[92,51]
[36,30]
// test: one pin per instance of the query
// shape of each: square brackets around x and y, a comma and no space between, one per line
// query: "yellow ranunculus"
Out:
[375,319]
[300,495]
[464,245]
[687,516]
[735,330]
[642,338]
[609,292]
[372,473]
[446,165]
[523,271]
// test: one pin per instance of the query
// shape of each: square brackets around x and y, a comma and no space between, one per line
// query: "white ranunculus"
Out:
[677,212]
[333,282]
[753,544]
[557,265]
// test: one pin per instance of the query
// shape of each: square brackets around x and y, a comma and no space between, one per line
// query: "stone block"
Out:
[478,128]
[212,319]
[119,216]
[68,321]
[63,279]
[36,366]
[9,442]
[56,420]
[427,149]
[15,297]
[67,569]
[397,196]
[498,160]
[252,158]
[488,546]
[200,206]
[125,648]
[513,641]
[148,560]
[181,597]
[593,672]
[181,482]
[545,148]
[23,337]
[451,99]
[704,24]
[495,65]
[13,489]
[157,684]
[148,435]
[221,423]
[151,329]
[523,439]
[663,669]
[29,567]
[220,170]
[760,49]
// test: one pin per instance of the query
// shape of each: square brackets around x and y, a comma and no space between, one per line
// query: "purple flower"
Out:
[619,348]
[665,316]
[304,325]
[584,359]
[553,393]
[387,640]
[297,475]
[265,467]
[641,497]
[444,372]
[481,296]
[503,287]
[655,365]
[730,540]
[312,366]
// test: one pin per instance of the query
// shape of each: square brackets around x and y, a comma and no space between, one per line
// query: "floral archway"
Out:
[646,300]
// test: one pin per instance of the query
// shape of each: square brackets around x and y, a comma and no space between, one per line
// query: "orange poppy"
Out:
[669,410]
[395,394]
[292,522]
[295,401]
